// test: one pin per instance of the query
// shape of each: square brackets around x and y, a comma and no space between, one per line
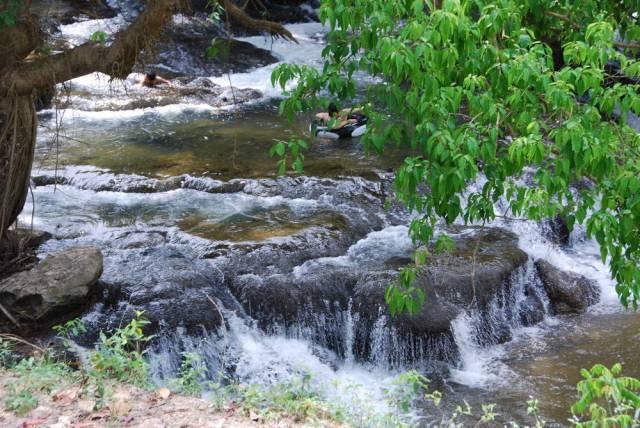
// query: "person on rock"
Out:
[151,80]
[343,117]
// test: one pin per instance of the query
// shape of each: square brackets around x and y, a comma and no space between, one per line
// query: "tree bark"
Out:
[17,143]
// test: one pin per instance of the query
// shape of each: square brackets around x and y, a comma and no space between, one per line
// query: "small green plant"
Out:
[8,14]
[192,374]
[20,401]
[532,409]
[407,387]
[120,356]
[69,330]
[607,399]
[6,353]
[99,37]
[217,10]
[40,373]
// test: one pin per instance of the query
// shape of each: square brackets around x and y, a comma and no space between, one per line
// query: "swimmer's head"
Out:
[333,110]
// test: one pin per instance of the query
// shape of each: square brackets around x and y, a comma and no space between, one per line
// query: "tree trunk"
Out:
[17,143]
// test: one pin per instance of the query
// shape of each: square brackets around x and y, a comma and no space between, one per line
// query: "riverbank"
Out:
[67,406]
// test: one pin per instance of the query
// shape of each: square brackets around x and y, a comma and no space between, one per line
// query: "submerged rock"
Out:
[568,292]
[557,230]
[200,91]
[61,285]
[531,310]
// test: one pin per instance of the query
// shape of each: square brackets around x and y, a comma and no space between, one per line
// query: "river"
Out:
[198,179]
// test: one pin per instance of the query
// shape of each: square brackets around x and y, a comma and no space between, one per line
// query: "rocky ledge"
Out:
[58,288]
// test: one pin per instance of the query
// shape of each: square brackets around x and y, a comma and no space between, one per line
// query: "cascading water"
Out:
[184,209]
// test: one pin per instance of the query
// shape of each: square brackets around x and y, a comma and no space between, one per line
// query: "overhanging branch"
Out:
[115,60]
[575,26]
[246,21]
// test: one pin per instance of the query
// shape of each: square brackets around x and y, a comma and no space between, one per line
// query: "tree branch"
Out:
[246,21]
[575,26]
[115,60]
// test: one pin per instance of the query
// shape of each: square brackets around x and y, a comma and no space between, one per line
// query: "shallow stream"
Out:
[199,179]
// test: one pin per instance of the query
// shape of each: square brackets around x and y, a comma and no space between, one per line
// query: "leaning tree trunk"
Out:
[17,143]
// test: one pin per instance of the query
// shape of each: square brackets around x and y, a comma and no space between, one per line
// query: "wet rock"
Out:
[196,92]
[69,11]
[170,285]
[31,238]
[557,230]
[324,296]
[568,292]
[62,284]
[182,50]
[138,239]
[283,11]
[454,282]
[43,98]
[531,310]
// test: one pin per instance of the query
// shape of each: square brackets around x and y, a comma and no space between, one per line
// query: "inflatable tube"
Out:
[351,130]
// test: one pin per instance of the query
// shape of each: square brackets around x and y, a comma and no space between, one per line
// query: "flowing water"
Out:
[198,180]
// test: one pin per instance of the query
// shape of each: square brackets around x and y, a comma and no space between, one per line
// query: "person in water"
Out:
[151,80]
[343,117]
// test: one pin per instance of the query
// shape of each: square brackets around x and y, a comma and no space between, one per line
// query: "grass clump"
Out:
[38,374]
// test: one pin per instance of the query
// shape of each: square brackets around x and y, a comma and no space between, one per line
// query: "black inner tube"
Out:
[345,131]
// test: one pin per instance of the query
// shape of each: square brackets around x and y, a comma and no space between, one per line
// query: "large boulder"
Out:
[568,292]
[62,284]
[470,276]
[182,50]
[338,301]
[174,288]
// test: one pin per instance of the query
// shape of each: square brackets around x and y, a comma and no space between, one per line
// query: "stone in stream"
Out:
[61,285]
[557,230]
[531,310]
[454,282]
[200,91]
[182,48]
[321,302]
[568,292]
[172,287]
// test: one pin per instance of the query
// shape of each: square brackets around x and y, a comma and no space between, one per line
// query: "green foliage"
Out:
[6,353]
[404,296]
[39,374]
[607,399]
[407,387]
[192,374]
[216,11]
[295,399]
[99,37]
[474,87]
[8,13]
[19,402]
[120,356]
[219,49]
[289,149]
[69,330]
